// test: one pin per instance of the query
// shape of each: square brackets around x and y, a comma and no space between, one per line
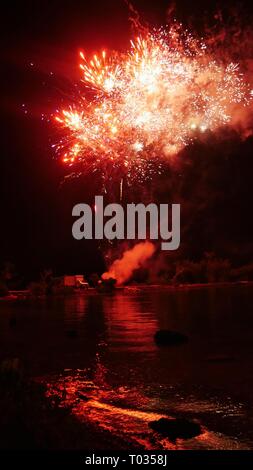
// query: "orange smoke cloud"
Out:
[122,269]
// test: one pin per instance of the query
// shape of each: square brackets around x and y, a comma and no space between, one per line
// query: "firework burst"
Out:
[140,108]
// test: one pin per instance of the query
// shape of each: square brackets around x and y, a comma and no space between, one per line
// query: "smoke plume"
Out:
[123,268]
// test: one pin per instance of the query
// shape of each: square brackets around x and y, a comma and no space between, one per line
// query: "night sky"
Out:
[40,42]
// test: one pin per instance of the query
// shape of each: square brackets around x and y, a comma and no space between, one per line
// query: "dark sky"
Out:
[39,38]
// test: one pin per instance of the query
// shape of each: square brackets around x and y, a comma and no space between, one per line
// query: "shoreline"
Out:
[209,285]
[24,294]
[32,422]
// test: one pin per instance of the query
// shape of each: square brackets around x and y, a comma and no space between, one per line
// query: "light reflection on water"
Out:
[126,413]
[97,355]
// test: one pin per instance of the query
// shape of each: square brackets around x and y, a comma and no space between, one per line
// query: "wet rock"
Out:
[82,396]
[169,338]
[176,428]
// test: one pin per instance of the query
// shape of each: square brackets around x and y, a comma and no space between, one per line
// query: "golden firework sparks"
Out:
[150,102]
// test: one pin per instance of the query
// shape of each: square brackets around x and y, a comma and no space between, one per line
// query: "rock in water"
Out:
[72,334]
[82,396]
[168,338]
[176,428]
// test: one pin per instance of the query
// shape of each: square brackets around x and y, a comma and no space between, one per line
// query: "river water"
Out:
[96,354]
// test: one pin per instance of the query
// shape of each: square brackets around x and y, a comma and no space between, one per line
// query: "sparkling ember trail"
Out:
[142,107]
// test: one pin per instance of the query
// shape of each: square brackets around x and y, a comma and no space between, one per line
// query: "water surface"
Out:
[96,354]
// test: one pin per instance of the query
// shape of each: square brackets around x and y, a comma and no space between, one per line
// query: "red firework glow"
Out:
[123,268]
[147,104]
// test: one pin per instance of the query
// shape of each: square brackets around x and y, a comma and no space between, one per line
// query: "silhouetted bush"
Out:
[243,273]
[3,289]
